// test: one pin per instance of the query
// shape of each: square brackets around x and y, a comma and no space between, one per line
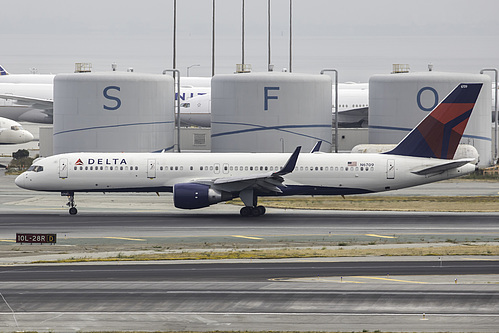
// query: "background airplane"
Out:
[11,132]
[200,180]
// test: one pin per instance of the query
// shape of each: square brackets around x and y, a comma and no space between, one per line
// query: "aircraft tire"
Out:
[262,210]
[73,211]
[255,211]
[245,211]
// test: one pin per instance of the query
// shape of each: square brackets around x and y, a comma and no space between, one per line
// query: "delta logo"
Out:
[103,161]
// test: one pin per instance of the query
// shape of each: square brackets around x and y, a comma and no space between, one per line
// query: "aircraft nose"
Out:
[28,136]
[20,180]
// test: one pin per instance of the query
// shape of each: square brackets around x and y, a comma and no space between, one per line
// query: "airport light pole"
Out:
[213,38]
[242,37]
[268,37]
[290,34]
[174,33]
[335,106]
[176,75]
[495,108]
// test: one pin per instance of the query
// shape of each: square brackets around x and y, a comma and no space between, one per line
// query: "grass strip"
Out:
[385,203]
[451,250]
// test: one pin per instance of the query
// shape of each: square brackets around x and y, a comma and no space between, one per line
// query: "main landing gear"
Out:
[252,211]
[250,201]
[71,202]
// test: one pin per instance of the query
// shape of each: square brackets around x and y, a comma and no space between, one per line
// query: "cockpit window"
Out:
[36,168]
[16,128]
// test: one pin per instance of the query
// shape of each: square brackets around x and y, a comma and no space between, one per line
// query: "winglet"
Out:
[290,164]
[439,133]
[3,71]
[317,147]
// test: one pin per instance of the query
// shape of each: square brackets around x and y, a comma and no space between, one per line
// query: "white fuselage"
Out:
[317,173]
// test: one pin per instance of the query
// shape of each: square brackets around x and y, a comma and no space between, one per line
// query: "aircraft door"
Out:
[63,168]
[151,169]
[390,169]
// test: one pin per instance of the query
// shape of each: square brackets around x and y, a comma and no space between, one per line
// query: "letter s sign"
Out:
[113,98]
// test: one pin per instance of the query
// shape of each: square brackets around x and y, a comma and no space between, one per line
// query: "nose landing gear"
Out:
[71,202]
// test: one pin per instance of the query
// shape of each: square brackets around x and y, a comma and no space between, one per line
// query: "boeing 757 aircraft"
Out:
[200,180]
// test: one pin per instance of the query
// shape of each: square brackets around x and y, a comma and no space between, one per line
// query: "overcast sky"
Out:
[359,38]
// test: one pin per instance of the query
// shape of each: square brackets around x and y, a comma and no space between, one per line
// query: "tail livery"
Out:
[439,133]
[3,71]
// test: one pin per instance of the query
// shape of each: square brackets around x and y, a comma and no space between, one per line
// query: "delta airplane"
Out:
[200,180]
[11,132]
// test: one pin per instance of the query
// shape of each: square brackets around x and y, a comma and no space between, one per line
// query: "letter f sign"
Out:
[267,97]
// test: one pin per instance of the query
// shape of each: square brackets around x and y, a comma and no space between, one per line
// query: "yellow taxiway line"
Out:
[380,236]
[247,237]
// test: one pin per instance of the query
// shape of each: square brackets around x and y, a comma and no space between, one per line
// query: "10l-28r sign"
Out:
[36,238]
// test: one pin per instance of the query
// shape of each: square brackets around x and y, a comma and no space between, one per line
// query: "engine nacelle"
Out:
[192,196]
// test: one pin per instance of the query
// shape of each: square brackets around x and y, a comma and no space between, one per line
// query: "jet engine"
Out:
[192,196]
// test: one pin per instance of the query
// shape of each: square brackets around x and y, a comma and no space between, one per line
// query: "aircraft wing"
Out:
[447,165]
[36,103]
[266,182]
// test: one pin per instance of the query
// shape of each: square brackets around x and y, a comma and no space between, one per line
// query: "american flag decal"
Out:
[352,164]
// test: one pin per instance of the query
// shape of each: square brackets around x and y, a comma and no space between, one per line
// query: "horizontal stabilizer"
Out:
[442,167]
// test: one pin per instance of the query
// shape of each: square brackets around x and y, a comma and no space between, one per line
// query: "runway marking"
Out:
[7,240]
[380,236]
[125,238]
[387,279]
[247,237]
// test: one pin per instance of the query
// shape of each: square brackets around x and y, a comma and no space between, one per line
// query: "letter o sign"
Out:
[435,95]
